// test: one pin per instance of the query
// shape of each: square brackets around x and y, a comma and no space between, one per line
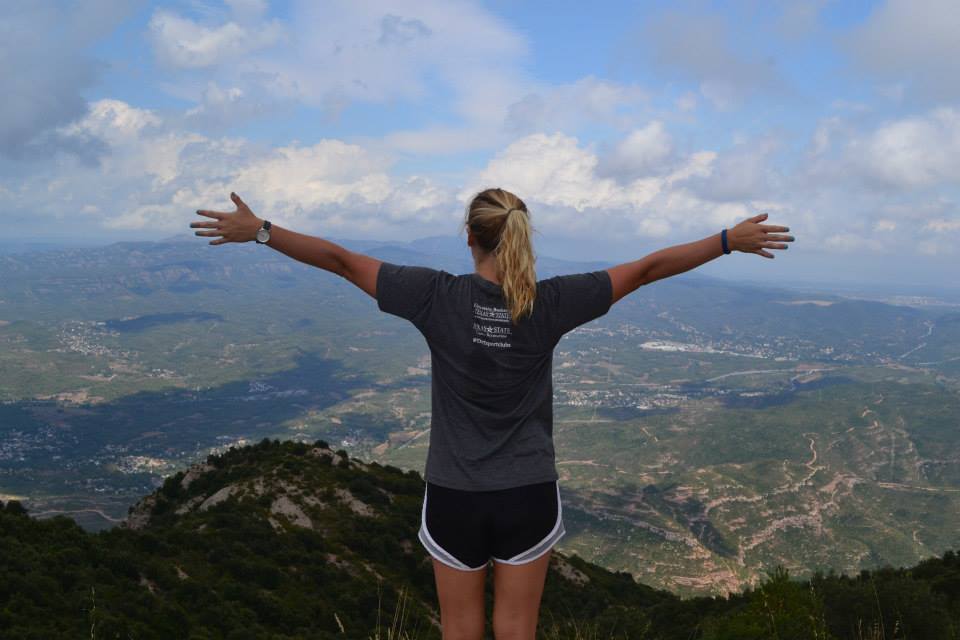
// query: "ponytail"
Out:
[514,257]
[500,222]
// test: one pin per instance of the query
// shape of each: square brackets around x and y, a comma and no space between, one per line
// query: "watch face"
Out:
[263,235]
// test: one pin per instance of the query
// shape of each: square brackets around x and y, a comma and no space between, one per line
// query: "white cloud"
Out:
[451,54]
[47,66]
[380,51]
[558,178]
[642,152]
[154,178]
[114,121]
[553,169]
[745,173]
[823,135]
[140,147]
[333,54]
[494,116]
[567,106]
[700,48]
[943,225]
[437,139]
[304,179]
[181,42]
[912,152]
[852,243]
[912,41]
[897,169]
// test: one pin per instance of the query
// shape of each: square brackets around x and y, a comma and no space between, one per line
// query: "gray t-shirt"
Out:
[492,382]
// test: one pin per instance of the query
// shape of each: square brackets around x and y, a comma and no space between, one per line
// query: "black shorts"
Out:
[465,529]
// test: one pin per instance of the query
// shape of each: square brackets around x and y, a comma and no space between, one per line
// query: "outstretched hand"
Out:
[236,226]
[752,237]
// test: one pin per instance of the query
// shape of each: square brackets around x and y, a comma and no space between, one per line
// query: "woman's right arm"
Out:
[242,225]
[357,268]
[749,237]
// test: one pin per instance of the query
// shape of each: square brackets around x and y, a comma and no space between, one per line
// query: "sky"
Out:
[626,127]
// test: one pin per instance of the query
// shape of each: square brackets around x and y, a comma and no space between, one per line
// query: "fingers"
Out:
[760,237]
[771,243]
[219,215]
[215,227]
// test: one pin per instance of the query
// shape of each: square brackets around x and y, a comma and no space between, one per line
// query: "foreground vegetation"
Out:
[325,546]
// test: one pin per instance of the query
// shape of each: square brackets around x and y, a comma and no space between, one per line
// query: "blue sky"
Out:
[625,126]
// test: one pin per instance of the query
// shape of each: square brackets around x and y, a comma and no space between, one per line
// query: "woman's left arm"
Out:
[242,226]
[749,236]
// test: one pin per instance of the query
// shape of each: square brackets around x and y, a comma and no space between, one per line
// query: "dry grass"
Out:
[570,629]
[395,631]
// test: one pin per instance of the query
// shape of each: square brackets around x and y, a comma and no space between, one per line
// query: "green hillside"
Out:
[294,540]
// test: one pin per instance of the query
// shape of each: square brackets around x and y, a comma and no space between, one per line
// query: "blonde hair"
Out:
[500,222]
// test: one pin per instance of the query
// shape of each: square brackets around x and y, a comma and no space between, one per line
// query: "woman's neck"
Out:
[487,269]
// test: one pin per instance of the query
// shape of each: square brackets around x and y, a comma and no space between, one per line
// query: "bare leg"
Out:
[517,590]
[462,614]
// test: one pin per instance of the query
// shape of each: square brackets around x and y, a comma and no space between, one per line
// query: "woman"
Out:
[492,489]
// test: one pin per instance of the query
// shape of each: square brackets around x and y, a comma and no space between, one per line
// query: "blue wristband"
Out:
[723,240]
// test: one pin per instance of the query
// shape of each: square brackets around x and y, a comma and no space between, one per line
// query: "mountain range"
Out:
[707,431]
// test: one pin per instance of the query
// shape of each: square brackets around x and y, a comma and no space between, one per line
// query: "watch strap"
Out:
[264,227]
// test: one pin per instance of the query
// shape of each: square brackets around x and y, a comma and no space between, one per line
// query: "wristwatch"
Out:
[263,233]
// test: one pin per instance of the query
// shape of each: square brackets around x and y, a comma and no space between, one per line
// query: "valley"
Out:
[695,450]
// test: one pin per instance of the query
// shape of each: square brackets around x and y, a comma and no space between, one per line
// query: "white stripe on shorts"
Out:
[544,545]
[435,549]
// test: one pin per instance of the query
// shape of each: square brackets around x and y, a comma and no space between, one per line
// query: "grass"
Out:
[562,630]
